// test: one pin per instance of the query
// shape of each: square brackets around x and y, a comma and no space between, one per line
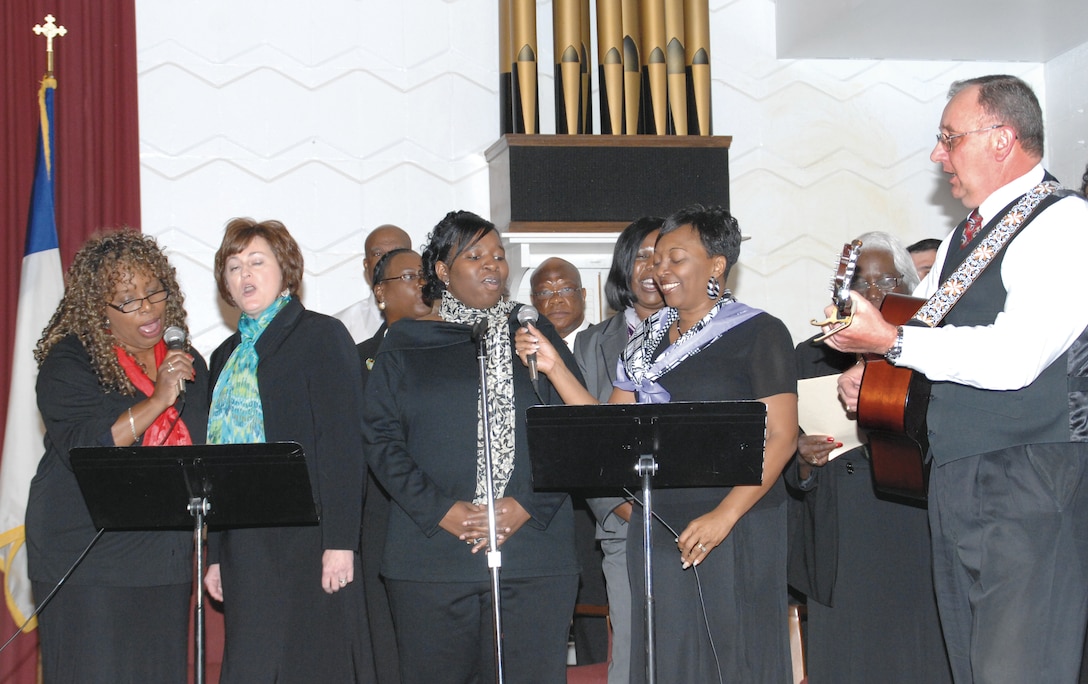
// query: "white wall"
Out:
[1067,115]
[335,117]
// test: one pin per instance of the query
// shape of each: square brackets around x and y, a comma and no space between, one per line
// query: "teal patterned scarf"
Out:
[236,415]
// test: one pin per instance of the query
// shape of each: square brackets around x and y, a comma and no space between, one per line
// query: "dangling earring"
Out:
[713,288]
[381,305]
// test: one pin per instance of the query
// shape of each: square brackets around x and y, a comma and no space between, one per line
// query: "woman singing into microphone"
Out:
[424,433]
[107,378]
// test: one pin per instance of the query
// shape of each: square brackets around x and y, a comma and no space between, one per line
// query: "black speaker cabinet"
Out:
[587,183]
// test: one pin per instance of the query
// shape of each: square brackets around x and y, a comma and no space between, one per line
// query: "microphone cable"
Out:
[49,597]
[698,586]
[41,606]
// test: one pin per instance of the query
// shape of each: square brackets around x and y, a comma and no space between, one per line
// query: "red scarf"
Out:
[160,432]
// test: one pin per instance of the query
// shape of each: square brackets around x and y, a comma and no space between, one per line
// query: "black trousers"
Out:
[114,635]
[445,630]
[1010,555]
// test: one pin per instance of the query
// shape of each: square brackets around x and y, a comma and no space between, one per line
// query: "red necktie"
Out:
[970,229]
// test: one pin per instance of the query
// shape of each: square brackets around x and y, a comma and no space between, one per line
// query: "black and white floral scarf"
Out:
[500,391]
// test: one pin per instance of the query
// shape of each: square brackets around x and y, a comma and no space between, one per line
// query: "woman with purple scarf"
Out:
[721,600]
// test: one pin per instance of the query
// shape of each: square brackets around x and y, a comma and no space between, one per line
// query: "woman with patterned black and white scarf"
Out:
[719,565]
[424,442]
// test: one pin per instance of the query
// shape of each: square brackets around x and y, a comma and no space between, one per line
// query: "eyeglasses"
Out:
[563,292]
[947,140]
[134,305]
[406,277]
[884,284]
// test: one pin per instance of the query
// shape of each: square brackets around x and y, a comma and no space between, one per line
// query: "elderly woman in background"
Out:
[423,424]
[862,559]
[291,607]
[725,622]
[398,289]
[106,378]
[633,294]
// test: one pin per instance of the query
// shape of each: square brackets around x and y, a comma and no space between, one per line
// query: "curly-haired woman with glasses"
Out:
[106,378]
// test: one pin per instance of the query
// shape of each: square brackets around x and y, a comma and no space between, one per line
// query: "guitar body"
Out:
[892,408]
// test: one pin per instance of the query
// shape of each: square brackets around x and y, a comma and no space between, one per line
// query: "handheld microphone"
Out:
[526,315]
[174,337]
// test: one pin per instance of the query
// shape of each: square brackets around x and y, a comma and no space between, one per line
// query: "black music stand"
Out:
[184,487]
[681,444]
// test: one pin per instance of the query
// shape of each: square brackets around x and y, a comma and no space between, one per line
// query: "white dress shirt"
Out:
[362,319]
[569,339]
[1043,273]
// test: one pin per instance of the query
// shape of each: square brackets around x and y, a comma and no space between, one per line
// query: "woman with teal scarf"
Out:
[292,609]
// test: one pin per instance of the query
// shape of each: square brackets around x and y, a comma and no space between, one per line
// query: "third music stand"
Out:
[680,444]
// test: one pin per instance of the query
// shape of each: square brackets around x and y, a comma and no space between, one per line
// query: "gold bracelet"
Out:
[132,426]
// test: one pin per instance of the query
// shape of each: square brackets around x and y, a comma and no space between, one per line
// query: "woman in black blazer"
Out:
[422,423]
[293,612]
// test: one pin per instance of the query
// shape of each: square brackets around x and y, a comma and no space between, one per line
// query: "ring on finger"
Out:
[702,547]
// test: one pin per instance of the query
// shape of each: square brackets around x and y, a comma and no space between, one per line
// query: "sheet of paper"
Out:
[819,412]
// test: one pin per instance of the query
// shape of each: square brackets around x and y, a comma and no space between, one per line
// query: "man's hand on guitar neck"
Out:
[869,333]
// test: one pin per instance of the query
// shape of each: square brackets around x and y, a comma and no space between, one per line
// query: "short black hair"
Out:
[383,263]
[924,245]
[718,230]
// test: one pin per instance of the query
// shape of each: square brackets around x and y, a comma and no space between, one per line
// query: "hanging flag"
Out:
[41,287]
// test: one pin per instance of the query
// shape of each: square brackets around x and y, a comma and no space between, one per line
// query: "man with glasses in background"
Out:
[1008,494]
[557,293]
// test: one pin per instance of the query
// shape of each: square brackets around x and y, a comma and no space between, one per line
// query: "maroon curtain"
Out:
[97,158]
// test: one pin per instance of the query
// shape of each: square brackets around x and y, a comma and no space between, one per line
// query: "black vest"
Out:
[965,421]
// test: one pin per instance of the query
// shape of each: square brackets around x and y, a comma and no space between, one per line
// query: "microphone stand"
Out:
[198,508]
[494,556]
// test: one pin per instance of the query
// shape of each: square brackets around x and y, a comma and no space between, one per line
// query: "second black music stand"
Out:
[184,487]
[680,444]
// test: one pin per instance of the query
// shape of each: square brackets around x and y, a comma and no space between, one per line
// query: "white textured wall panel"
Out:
[337,116]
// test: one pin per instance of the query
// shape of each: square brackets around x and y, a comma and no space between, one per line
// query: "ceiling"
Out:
[972,30]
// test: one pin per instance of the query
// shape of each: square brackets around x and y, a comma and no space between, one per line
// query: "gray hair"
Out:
[885,242]
[1013,103]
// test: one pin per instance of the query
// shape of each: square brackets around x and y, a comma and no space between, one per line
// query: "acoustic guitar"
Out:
[892,409]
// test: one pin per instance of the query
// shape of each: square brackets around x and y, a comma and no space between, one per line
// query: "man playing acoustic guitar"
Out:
[1001,336]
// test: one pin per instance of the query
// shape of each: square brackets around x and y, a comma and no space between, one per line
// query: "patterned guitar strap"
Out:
[952,289]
